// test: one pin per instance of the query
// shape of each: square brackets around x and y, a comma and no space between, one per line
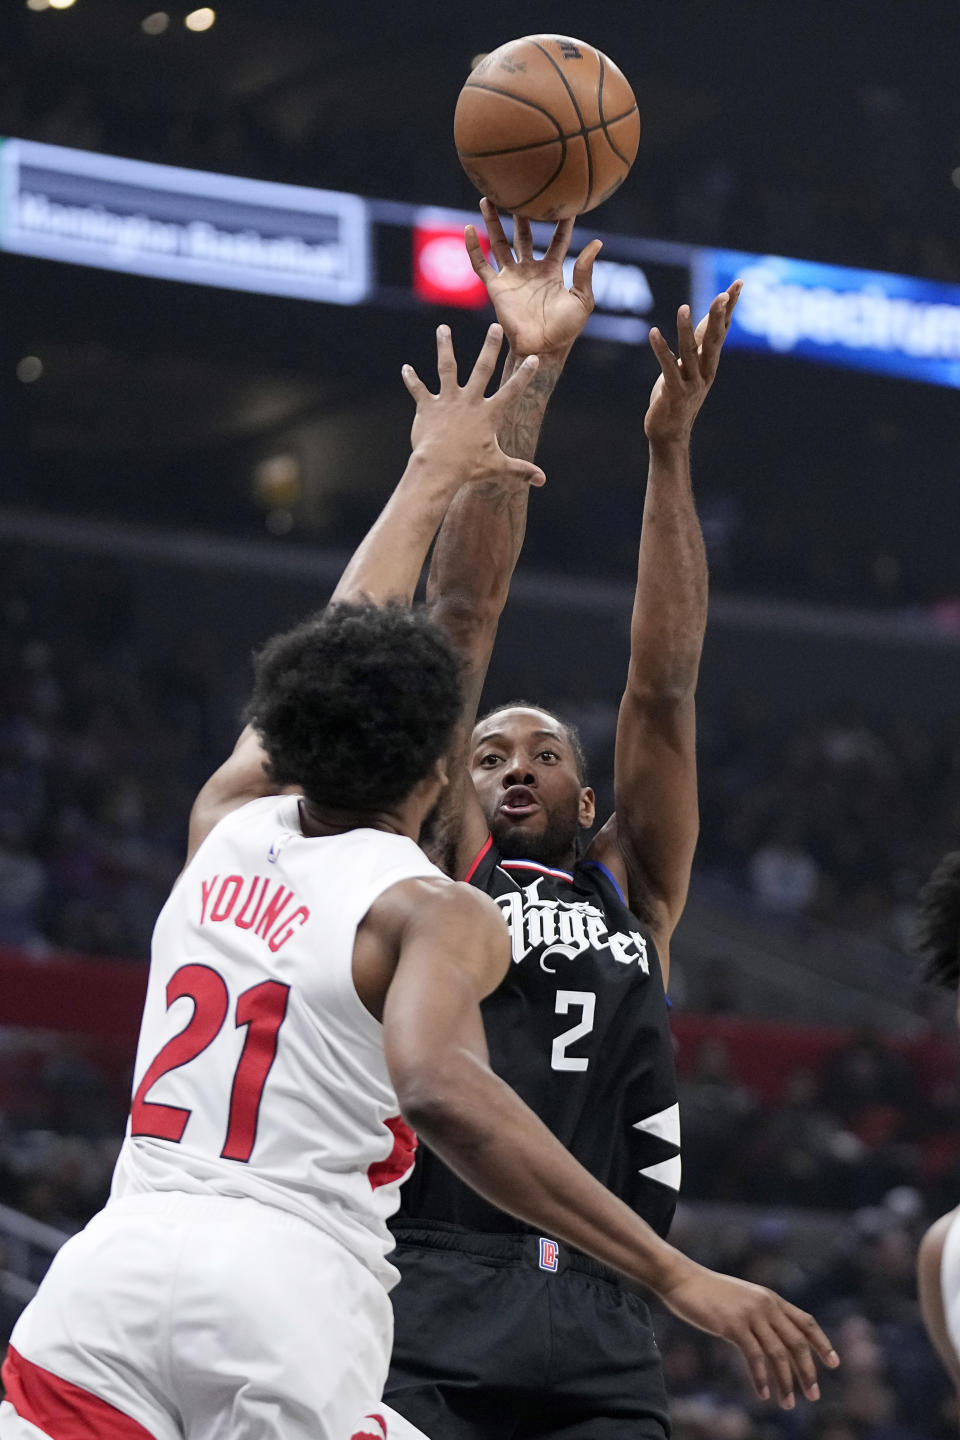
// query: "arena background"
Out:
[183,468]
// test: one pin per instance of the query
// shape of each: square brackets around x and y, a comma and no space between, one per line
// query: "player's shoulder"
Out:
[431,899]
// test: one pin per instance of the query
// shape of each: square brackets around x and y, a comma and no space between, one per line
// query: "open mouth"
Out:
[519,802]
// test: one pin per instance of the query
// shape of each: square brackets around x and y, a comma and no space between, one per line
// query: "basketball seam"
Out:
[521,100]
[551,140]
[563,160]
[603,122]
[583,129]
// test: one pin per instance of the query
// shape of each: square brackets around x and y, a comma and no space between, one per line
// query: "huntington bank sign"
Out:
[860,319]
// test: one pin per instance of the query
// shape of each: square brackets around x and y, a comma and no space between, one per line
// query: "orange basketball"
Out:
[546,127]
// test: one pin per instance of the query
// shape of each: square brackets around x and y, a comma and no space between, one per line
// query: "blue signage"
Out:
[860,319]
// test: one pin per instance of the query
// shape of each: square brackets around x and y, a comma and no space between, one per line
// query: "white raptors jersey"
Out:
[260,1073]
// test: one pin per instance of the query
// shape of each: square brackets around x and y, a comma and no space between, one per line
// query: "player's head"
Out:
[357,707]
[528,770]
[936,934]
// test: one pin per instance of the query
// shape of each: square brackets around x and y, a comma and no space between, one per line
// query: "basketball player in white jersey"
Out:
[314,990]
[937,943]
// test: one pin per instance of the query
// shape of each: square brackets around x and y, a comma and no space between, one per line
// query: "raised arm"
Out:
[481,537]
[649,842]
[454,439]
[452,952]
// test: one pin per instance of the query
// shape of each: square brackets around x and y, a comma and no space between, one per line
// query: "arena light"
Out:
[38,5]
[29,369]
[156,23]
[197,20]
[61,4]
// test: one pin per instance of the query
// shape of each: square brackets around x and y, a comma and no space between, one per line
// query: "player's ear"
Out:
[588,807]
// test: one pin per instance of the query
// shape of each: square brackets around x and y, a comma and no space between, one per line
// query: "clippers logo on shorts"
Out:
[549,1254]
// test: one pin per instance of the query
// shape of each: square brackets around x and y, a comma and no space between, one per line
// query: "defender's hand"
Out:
[773,1335]
[685,379]
[457,428]
[537,311]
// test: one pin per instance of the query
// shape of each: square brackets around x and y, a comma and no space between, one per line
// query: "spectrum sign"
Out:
[860,319]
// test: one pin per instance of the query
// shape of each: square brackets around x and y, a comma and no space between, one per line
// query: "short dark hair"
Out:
[572,733]
[357,704]
[935,939]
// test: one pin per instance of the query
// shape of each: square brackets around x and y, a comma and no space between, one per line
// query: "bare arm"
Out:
[454,443]
[930,1290]
[649,842]
[436,1054]
[482,535]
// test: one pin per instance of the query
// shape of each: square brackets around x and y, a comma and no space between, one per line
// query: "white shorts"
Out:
[176,1315]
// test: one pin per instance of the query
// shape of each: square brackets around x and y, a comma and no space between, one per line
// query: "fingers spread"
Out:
[527,472]
[583,271]
[559,242]
[668,361]
[481,265]
[522,238]
[414,384]
[517,383]
[498,240]
[486,360]
[734,291]
[686,341]
[446,360]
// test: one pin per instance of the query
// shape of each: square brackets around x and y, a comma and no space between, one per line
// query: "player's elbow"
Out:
[434,1101]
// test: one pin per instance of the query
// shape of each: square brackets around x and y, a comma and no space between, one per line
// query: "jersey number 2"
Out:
[261,1009]
[586,1001]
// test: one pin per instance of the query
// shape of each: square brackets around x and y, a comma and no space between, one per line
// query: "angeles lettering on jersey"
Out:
[264,907]
[565,928]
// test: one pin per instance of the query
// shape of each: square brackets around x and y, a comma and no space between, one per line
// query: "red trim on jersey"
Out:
[534,865]
[484,848]
[62,1410]
[400,1159]
[380,1434]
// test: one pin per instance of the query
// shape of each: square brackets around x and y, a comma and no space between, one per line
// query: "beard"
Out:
[554,845]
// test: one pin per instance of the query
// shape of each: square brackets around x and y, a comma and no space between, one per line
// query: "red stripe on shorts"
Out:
[62,1410]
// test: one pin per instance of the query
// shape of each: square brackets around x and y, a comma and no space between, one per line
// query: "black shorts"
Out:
[493,1343]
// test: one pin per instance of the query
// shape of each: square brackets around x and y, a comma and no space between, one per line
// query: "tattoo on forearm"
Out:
[522,424]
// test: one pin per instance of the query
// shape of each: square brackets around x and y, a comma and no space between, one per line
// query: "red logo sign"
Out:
[442,272]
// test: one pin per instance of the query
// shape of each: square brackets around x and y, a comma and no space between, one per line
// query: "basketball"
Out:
[546,127]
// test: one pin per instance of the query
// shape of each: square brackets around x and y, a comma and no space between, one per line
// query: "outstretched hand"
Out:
[457,428]
[778,1341]
[537,311]
[685,378]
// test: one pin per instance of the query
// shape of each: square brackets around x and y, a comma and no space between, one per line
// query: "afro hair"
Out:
[357,704]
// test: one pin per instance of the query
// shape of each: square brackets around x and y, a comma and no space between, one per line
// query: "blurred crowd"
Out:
[104,742]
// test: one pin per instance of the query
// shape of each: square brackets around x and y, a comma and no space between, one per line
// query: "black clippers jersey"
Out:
[579,1029]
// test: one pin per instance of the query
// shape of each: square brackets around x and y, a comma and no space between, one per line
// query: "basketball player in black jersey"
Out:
[453,444]
[501,1333]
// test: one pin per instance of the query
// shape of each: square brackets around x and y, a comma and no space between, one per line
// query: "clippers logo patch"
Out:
[549,1254]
